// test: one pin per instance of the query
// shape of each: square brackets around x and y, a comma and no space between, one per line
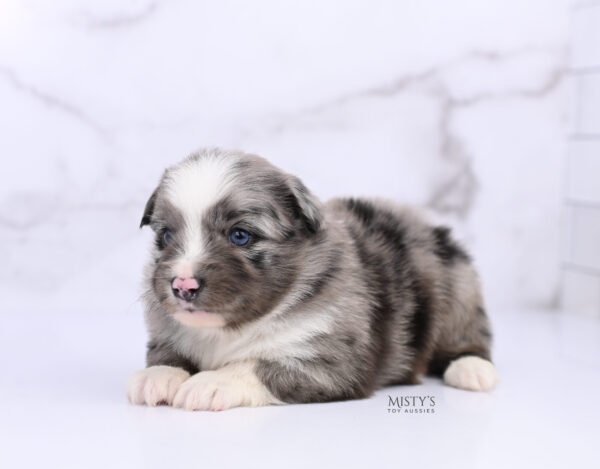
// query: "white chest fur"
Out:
[267,338]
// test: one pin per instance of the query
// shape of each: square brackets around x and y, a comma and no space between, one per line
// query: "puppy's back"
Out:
[427,307]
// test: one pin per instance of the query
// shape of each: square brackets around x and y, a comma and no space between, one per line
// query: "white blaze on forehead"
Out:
[196,184]
[193,187]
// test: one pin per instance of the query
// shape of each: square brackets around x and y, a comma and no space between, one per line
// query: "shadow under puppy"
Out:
[257,294]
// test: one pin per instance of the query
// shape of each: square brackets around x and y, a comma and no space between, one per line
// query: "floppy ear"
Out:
[309,205]
[149,209]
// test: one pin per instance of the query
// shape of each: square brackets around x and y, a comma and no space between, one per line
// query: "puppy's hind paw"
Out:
[471,373]
[155,385]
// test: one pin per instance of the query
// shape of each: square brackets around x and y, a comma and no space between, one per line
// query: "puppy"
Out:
[258,294]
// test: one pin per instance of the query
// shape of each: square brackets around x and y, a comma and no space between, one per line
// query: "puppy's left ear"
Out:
[149,209]
[309,205]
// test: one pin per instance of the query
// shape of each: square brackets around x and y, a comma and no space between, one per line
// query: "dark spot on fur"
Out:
[349,340]
[327,361]
[257,258]
[289,234]
[419,325]
[446,248]
[379,224]
[310,213]
[361,209]
[149,209]
[381,310]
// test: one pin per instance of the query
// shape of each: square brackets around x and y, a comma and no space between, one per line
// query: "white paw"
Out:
[232,386]
[206,392]
[155,385]
[471,373]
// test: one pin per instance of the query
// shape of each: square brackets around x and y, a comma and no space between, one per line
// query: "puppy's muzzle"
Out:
[186,289]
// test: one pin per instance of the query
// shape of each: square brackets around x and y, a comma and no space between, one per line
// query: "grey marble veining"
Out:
[394,99]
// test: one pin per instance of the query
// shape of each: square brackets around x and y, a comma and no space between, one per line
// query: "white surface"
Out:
[458,106]
[62,402]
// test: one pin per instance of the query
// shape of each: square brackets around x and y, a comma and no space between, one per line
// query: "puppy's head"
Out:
[230,229]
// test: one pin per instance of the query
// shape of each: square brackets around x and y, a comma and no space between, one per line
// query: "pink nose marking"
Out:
[185,284]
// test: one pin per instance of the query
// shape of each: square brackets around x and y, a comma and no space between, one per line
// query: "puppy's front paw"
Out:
[471,373]
[155,385]
[208,391]
[232,386]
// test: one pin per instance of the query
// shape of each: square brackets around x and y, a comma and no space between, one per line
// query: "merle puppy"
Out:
[257,293]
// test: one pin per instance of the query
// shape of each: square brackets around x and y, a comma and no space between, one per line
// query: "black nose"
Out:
[186,289]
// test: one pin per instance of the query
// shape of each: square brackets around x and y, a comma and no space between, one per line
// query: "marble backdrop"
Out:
[458,106]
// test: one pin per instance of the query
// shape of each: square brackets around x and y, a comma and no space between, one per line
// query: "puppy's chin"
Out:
[199,318]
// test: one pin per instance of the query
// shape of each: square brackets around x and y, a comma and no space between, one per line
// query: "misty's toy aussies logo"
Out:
[411,405]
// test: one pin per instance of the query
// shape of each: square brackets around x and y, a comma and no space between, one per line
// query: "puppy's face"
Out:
[230,229]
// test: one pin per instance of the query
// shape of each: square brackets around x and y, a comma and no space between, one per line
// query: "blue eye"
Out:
[239,237]
[167,237]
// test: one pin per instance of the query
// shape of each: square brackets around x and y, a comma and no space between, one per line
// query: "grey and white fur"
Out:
[323,302]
